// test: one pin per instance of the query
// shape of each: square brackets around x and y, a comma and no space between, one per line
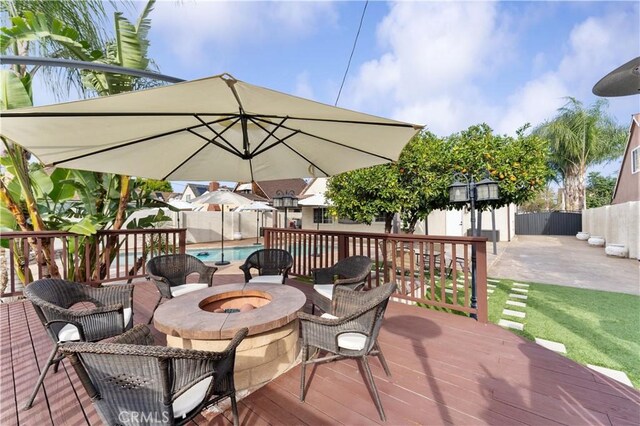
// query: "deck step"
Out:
[511,324]
[554,346]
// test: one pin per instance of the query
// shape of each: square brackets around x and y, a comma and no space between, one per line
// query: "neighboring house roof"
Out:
[315,186]
[625,176]
[165,195]
[197,189]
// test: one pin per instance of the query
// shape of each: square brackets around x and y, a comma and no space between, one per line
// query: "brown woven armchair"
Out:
[110,316]
[169,273]
[131,382]
[273,266]
[351,272]
[349,331]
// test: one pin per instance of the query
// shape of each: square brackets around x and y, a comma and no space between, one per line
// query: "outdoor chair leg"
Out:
[234,410]
[303,367]
[383,361]
[50,361]
[374,389]
[56,364]
[154,309]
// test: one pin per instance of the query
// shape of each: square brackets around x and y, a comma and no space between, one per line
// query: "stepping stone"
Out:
[618,375]
[520,285]
[511,324]
[513,313]
[491,280]
[520,290]
[518,304]
[491,285]
[490,290]
[448,291]
[518,296]
[554,346]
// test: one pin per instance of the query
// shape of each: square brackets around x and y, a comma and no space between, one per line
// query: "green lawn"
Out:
[597,327]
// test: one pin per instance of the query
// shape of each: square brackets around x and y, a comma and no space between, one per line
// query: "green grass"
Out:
[597,327]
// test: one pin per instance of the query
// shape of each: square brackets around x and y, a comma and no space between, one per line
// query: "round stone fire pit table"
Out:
[270,348]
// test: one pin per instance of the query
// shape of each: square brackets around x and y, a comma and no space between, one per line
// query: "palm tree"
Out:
[128,49]
[580,137]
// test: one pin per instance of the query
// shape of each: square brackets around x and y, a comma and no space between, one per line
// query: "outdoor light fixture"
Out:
[285,200]
[472,191]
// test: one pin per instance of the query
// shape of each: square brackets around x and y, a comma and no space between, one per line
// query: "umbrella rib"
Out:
[334,142]
[185,161]
[126,144]
[219,135]
[218,144]
[7,114]
[279,141]
[270,133]
[304,158]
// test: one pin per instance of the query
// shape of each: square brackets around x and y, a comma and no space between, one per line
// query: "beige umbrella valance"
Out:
[214,128]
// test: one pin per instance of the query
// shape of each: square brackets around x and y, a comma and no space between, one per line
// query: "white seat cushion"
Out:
[191,398]
[70,332]
[325,290]
[179,290]
[267,279]
[352,341]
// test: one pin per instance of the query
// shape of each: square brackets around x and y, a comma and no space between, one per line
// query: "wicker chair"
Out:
[52,298]
[350,331]
[131,382]
[351,272]
[169,273]
[273,266]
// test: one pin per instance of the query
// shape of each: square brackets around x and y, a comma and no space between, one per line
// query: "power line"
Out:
[364,9]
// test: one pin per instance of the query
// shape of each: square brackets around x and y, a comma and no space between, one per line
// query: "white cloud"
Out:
[190,29]
[435,51]
[442,63]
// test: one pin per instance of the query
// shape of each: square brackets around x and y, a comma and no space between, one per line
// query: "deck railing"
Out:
[105,257]
[429,270]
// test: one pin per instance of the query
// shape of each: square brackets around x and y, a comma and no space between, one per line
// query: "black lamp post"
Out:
[285,200]
[472,191]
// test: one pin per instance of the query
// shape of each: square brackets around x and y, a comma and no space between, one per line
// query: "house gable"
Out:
[628,183]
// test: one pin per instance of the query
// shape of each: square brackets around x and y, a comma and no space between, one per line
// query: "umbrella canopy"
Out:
[255,206]
[217,127]
[222,197]
[623,81]
[316,200]
[180,205]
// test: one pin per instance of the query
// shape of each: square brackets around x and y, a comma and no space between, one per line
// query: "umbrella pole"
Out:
[257,228]
[222,261]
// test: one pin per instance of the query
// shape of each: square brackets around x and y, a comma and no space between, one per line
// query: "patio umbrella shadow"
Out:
[405,326]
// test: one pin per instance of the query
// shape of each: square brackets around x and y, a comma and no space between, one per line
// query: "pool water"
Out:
[230,253]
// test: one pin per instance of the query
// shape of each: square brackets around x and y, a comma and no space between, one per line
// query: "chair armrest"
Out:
[246,267]
[323,275]
[138,335]
[206,274]
[112,295]
[163,285]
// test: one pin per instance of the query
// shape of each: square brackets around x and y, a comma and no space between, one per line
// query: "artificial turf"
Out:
[597,327]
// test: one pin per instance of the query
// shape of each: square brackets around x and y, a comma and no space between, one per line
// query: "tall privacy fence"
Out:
[429,270]
[108,256]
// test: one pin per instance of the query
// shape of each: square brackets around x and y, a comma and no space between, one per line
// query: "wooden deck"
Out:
[446,369]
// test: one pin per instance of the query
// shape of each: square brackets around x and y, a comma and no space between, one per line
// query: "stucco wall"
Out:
[618,224]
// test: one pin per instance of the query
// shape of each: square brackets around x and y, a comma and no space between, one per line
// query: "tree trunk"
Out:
[574,188]
[388,222]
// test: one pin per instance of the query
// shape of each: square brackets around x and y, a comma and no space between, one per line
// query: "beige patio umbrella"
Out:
[222,197]
[214,128]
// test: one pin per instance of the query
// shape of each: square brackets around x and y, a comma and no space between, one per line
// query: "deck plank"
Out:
[445,369]
[8,407]
[27,370]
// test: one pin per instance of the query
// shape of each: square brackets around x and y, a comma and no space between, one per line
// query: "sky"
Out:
[446,65]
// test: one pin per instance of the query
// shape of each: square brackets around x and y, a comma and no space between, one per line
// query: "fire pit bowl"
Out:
[267,310]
